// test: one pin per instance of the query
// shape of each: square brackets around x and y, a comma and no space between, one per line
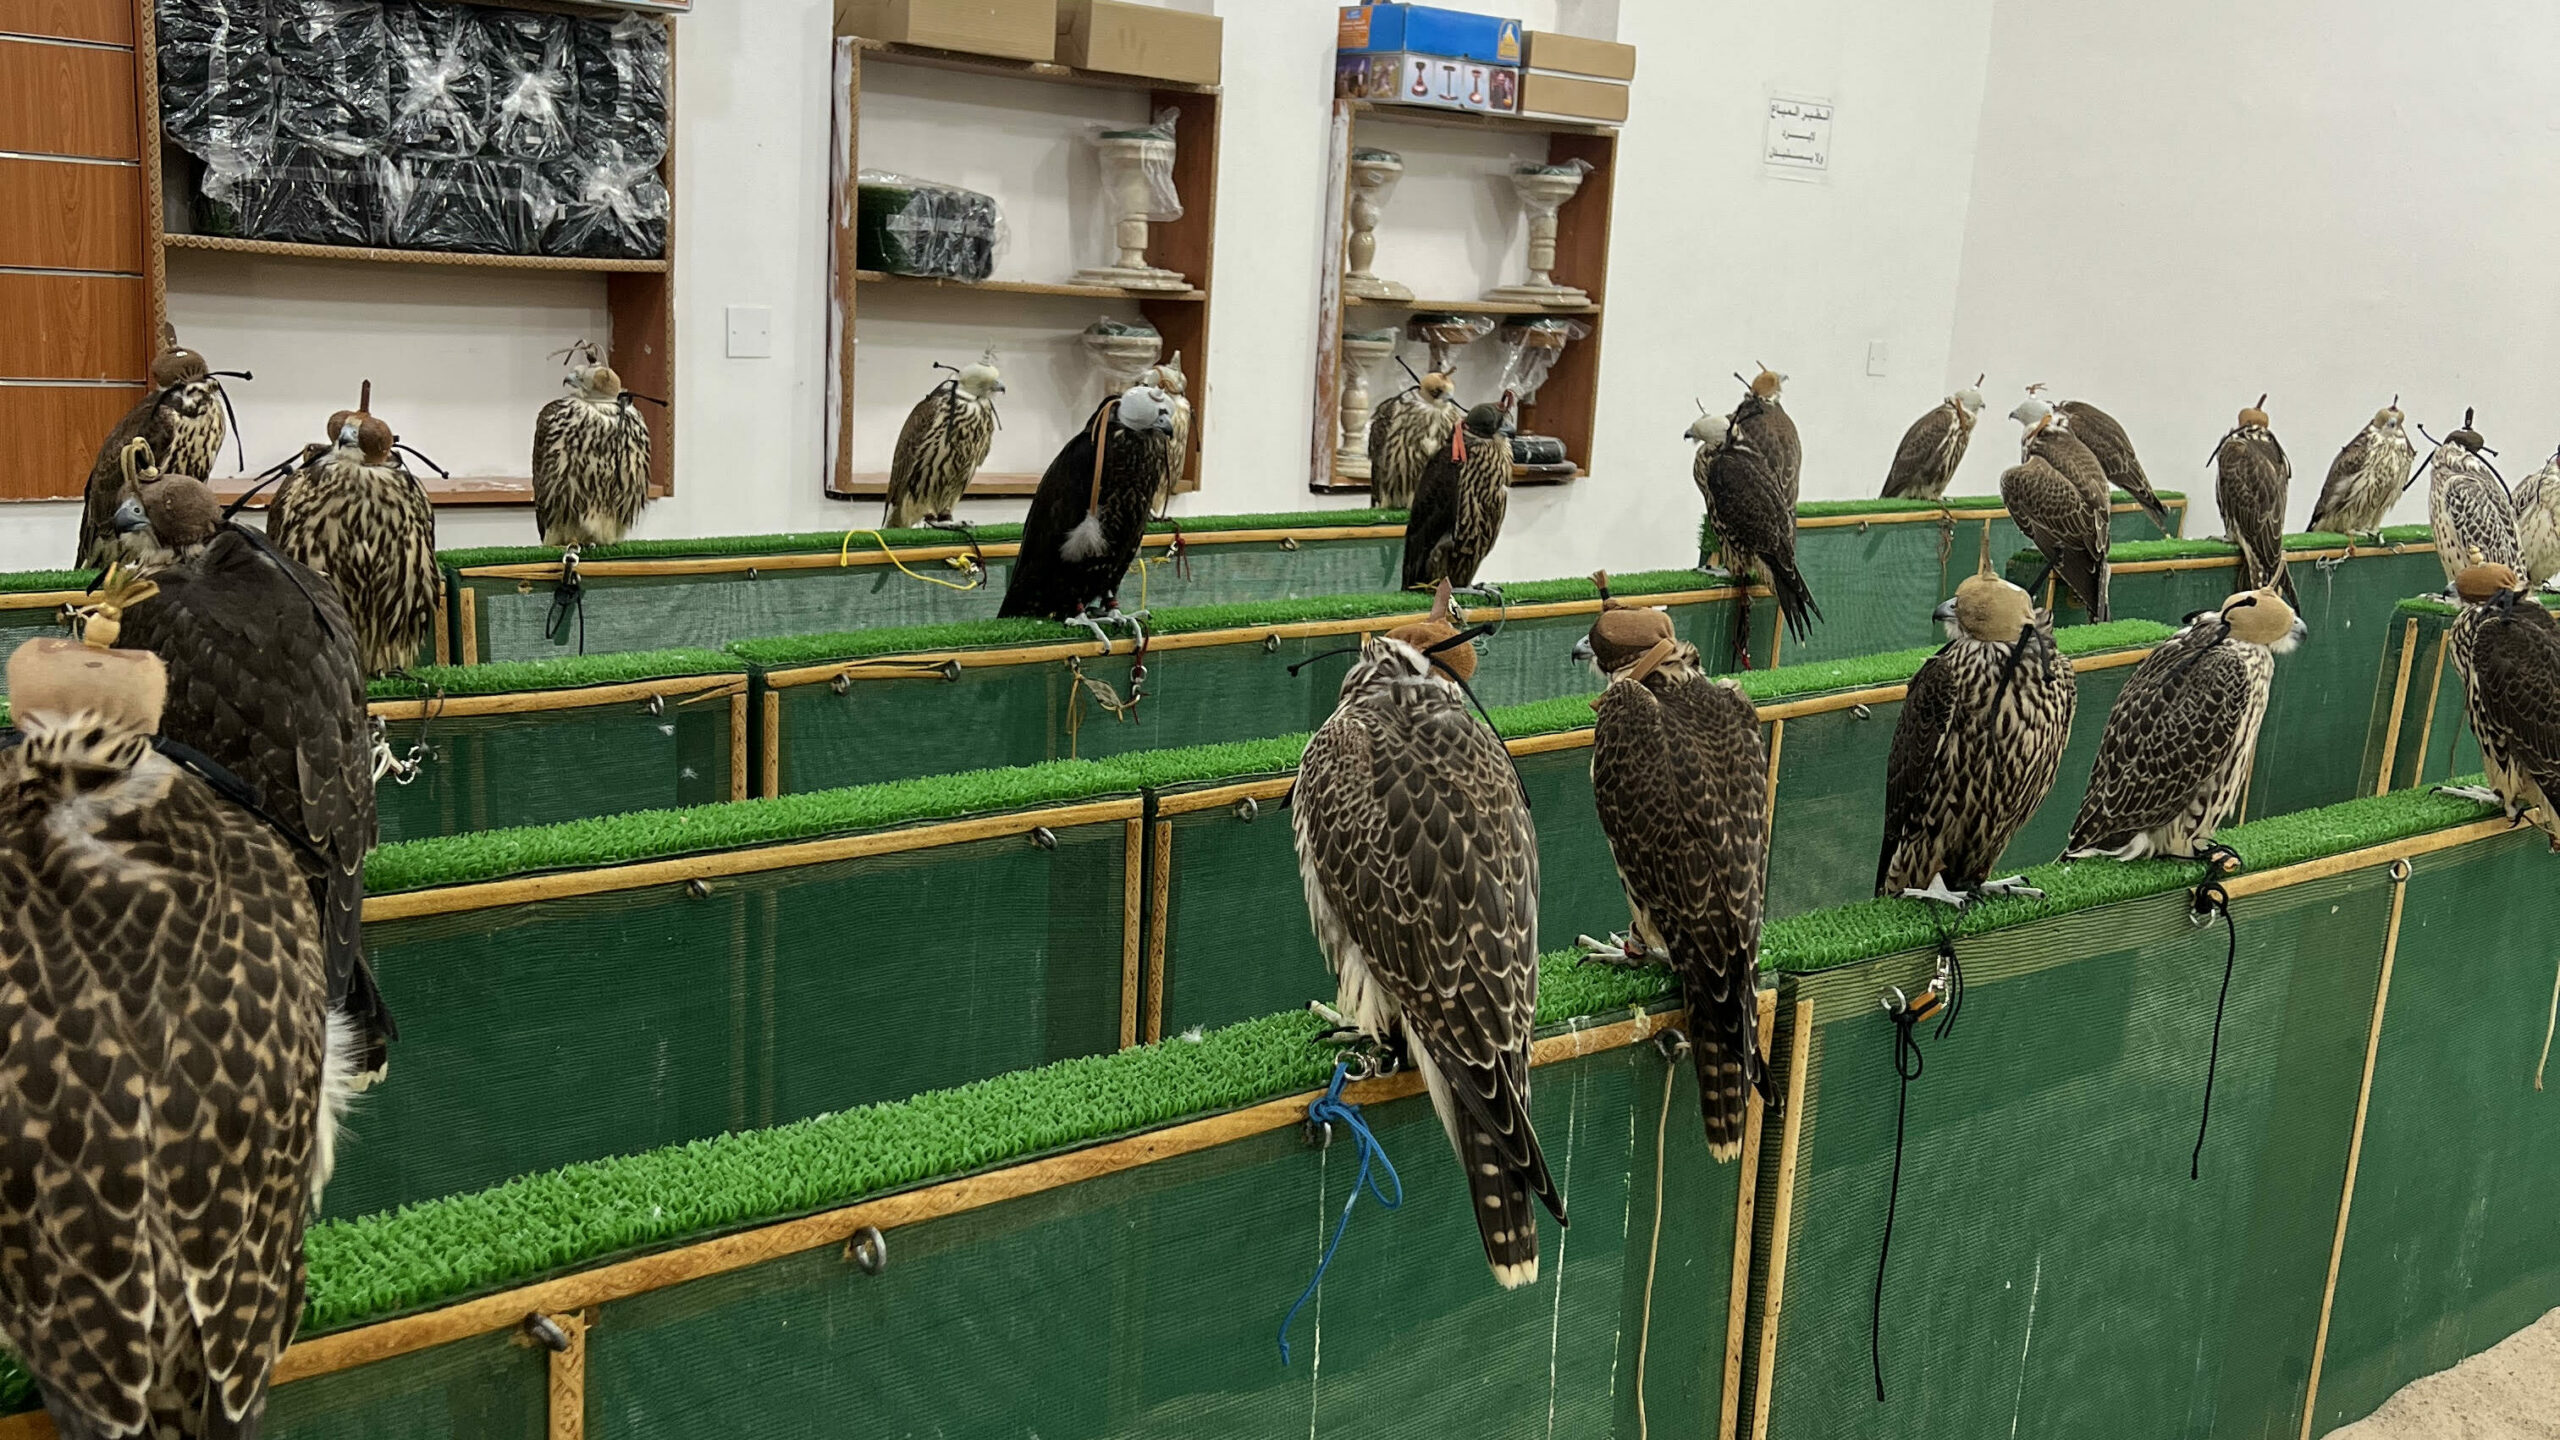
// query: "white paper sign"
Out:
[1798,143]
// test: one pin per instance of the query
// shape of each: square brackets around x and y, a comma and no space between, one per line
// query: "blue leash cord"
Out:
[1329,1108]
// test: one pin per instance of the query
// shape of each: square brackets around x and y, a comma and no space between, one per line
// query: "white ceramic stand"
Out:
[1122,358]
[1373,173]
[1360,355]
[1124,179]
[1544,190]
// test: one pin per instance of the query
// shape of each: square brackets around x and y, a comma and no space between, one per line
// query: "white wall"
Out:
[1714,267]
[2184,203]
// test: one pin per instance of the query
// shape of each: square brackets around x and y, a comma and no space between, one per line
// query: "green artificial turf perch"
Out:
[571,672]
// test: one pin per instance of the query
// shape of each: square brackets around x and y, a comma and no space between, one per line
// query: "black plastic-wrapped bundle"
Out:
[622,86]
[441,70]
[330,59]
[488,205]
[914,227]
[312,195]
[606,204]
[534,86]
[218,86]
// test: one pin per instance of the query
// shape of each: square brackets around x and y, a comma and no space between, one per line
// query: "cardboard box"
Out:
[1436,82]
[1427,30]
[1148,40]
[1014,29]
[1574,55]
[1572,97]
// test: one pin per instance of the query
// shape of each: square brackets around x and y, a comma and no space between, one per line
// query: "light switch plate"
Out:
[750,332]
[1875,357]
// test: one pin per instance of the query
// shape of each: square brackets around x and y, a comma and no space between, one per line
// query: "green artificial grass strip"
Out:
[31,582]
[570,672]
[801,542]
[1811,509]
[2126,551]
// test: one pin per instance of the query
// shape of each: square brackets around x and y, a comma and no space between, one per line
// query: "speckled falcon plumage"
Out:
[1405,432]
[161,1112]
[2507,648]
[2112,448]
[2058,495]
[1681,782]
[2252,483]
[1761,418]
[1981,737]
[2538,522]
[2366,479]
[1168,377]
[2175,753]
[1933,447]
[181,415]
[1421,871]
[2468,507]
[1459,504]
[357,516]
[941,446]
[590,460]
[1754,522]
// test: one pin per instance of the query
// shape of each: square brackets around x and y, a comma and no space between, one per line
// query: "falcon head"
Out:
[2032,411]
[179,511]
[1710,430]
[1436,387]
[1485,421]
[596,382]
[2254,417]
[176,365]
[1167,377]
[368,437]
[2388,419]
[1987,607]
[1144,408]
[1428,640]
[2479,584]
[2466,437]
[979,381]
[1969,399]
[1629,643]
[1767,384]
[2260,617]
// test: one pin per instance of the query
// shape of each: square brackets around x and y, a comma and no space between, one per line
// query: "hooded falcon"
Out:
[2538,522]
[2058,495]
[358,516]
[2507,648]
[1932,448]
[2252,480]
[1090,513]
[2175,753]
[2113,450]
[590,458]
[181,415]
[1682,785]
[1762,419]
[1458,508]
[2468,506]
[1421,871]
[941,446]
[1755,525]
[2367,477]
[1405,433]
[163,1129]
[1984,724]
[1168,377]
[264,680]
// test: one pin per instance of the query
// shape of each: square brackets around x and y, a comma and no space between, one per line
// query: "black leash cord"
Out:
[2211,899]
[1907,1063]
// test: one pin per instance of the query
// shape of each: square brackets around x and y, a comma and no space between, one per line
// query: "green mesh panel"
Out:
[489,1387]
[488,772]
[19,626]
[1145,1303]
[2435,742]
[2053,1265]
[2449,1241]
[650,1017]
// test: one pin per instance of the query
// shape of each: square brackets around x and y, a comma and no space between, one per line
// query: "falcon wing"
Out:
[1919,742]
[2339,488]
[1922,463]
[1383,420]
[1749,501]
[1042,580]
[2070,531]
[1432,521]
[553,505]
[2113,449]
[2170,730]
[2516,670]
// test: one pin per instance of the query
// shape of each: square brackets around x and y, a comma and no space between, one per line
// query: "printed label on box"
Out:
[1797,145]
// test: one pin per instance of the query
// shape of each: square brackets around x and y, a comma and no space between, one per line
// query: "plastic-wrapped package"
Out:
[1448,334]
[441,68]
[1148,193]
[534,85]
[1529,351]
[486,204]
[330,59]
[313,195]
[605,203]
[218,88]
[622,86]
[907,226]
[1122,350]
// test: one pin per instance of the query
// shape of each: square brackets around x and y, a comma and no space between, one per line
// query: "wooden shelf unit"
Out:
[1569,400]
[1186,245]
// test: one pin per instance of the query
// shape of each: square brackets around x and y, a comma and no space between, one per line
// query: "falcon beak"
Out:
[129,518]
[1582,651]
[1945,614]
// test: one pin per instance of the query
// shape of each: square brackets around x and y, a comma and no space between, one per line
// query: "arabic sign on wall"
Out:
[1798,142]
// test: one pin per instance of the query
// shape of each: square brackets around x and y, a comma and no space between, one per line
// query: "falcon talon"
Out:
[2014,885]
[1088,622]
[2481,793]
[1938,891]
[1328,1014]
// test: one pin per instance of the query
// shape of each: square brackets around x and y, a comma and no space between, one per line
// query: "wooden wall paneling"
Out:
[67,215]
[72,327]
[100,22]
[67,100]
[49,435]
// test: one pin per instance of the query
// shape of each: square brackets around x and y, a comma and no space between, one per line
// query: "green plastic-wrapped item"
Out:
[907,226]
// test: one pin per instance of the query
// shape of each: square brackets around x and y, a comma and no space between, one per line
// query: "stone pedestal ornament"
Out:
[1122,353]
[1133,163]
[1543,189]
[1373,176]
[1362,351]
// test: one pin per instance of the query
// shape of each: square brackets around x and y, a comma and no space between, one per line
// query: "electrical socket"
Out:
[750,332]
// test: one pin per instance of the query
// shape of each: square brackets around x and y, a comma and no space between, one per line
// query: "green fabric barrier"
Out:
[2433,740]
[2449,1245]
[24,616]
[508,613]
[2318,715]
[488,1387]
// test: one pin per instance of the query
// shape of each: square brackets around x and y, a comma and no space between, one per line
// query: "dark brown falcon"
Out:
[2113,450]
[163,1134]
[1682,785]
[2058,495]
[1933,447]
[1761,418]
[359,517]
[181,415]
[2507,648]
[1089,516]
[2366,479]
[1421,871]
[590,458]
[1458,508]
[264,679]
[941,446]
[2175,753]
[2468,506]
[1407,430]
[2252,480]
[1755,526]
[1980,740]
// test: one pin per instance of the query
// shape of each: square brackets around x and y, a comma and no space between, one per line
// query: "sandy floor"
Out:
[2510,1391]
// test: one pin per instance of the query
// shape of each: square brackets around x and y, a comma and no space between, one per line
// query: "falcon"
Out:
[2507,648]
[1421,872]
[1090,513]
[1755,524]
[2366,479]
[357,516]
[181,415]
[590,458]
[1682,785]
[1168,377]
[941,446]
[1407,430]
[1984,724]
[2252,480]
[2058,495]
[2468,507]
[171,1075]
[1934,445]
[2112,448]
[264,680]
[2538,522]
[1762,419]
[2175,753]
[1458,507]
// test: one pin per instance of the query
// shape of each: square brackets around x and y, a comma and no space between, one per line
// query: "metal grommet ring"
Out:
[869,1249]
[1893,1000]
[655,705]
[1247,808]
[698,888]
[1671,1043]
[2399,870]
[842,684]
[1318,1134]
[546,1332]
[1271,643]
[1044,837]
[1862,712]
